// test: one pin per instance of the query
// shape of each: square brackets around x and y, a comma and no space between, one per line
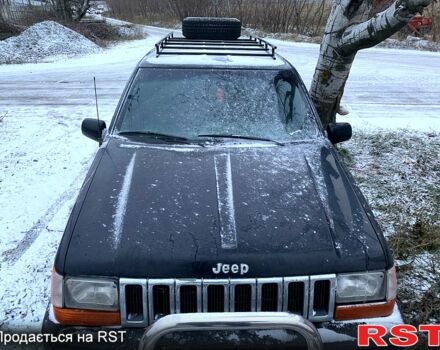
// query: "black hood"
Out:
[175,212]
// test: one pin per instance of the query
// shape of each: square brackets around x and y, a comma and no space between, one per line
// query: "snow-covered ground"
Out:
[44,157]
[42,40]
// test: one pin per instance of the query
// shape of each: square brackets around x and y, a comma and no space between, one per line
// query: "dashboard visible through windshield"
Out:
[203,103]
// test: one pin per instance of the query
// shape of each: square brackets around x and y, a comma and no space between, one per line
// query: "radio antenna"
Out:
[96,98]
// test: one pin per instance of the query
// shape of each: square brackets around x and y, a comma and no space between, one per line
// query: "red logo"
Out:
[402,335]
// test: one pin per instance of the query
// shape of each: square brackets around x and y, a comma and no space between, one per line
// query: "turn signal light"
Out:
[370,310]
[74,317]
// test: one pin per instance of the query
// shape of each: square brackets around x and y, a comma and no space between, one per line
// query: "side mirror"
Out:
[339,132]
[92,128]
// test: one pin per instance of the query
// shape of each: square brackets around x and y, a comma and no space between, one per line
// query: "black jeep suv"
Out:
[216,199]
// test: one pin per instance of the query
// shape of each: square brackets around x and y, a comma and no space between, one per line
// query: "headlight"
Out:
[361,287]
[392,284]
[56,295]
[95,294]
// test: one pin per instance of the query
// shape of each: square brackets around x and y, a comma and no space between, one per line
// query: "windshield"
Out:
[203,103]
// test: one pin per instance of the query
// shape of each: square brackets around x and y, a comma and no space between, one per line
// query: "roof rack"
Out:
[251,46]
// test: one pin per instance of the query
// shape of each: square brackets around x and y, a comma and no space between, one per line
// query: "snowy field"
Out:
[44,157]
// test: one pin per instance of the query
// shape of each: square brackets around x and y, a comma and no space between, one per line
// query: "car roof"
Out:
[245,52]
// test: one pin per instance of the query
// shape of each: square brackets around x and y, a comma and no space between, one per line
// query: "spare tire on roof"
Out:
[211,28]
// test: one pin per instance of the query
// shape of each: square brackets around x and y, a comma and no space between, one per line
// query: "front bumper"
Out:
[334,335]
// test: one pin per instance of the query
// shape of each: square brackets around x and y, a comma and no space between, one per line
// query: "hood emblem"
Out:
[241,269]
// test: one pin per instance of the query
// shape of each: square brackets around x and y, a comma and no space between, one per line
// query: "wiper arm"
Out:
[154,134]
[160,136]
[227,136]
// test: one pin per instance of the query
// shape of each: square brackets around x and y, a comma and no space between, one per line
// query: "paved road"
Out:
[398,84]
[385,86]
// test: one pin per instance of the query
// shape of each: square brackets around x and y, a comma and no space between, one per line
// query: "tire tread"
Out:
[211,28]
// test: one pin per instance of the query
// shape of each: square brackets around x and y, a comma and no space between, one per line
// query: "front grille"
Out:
[312,297]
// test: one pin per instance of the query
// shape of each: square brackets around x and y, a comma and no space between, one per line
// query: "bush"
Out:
[7,30]
[275,16]
[103,33]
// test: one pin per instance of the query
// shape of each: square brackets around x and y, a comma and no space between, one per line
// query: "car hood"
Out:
[158,211]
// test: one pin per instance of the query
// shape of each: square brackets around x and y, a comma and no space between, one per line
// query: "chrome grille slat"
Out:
[306,281]
[263,281]
[315,315]
[170,283]
[125,321]
[223,282]
[245,294]
[190,282]
[252,282]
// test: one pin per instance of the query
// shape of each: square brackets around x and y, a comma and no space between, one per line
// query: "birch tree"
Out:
[71,9]
[80,8]
[353,25]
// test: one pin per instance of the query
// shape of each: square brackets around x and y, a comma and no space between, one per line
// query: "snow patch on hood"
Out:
[225,197]
[121,206]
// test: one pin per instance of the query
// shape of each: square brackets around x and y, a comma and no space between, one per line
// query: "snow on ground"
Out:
[411,42]
[44,157]
[43,41]
[43,161]
[399,173]
[126,29]
[387,88]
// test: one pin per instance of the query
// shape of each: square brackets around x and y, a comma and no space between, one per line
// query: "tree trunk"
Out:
[348,30]
[62,9]
[82,9]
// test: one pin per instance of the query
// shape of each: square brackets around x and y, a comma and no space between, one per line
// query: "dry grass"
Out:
[275,16]
[100,33]
[301,17]
[103,33]
[423,236]
[399,173]
[7,30]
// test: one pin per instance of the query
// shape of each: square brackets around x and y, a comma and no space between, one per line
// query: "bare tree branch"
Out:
[353,25]
[381,26]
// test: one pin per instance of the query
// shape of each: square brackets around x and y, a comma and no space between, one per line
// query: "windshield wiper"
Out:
[228,136]
[159,136]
